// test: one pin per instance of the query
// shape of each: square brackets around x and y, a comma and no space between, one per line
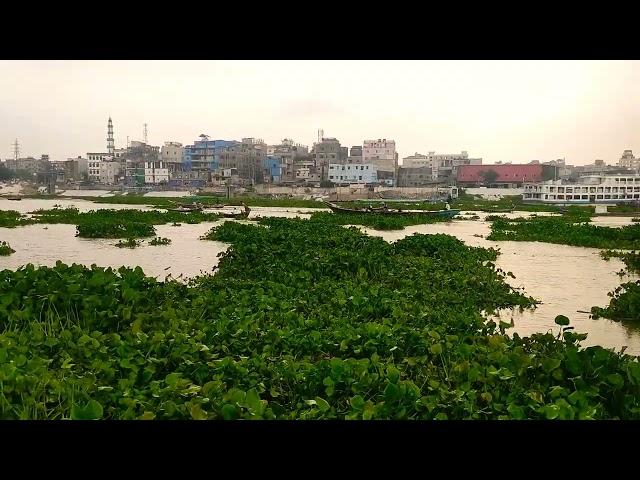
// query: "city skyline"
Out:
[514,111]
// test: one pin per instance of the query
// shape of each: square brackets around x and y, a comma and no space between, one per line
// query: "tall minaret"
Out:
[110,147]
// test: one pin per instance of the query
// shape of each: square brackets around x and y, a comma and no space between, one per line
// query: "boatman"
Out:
[448,207]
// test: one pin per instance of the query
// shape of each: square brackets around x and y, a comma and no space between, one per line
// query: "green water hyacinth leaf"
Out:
[92,410]
[417,346]
[561,320]
[436,349]
[323,405]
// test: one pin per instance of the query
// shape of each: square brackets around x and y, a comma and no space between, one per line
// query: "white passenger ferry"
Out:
[587,189]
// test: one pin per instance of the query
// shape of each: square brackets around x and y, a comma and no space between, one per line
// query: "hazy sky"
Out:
[498,110]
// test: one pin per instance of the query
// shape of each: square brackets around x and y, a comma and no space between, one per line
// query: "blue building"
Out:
[205,154]
[271,165]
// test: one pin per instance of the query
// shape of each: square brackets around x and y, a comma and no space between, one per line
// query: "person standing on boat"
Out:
[447,206]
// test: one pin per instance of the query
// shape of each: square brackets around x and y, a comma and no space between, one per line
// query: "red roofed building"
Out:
[506,174]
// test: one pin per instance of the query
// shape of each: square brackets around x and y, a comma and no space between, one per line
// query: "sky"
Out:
[514,111]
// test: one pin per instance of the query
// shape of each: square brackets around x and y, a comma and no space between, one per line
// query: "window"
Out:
[560,197]
[607,197]
[585,197]
[569,197]
[360,178]
[569,189]
[592,190]
[599,197]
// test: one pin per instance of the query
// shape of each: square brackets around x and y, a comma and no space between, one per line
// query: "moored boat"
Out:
[238,216]
[193,207]
[13,197]
[449,213]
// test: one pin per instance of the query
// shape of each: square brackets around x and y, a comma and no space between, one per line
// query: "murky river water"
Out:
[566,279]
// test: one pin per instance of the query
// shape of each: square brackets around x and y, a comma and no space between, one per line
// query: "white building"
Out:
[365,173]
[442,165]
[587,189]
[155,173]
[381,153]
[93,168]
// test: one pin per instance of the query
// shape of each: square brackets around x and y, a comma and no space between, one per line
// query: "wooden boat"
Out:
[193,207]
[389,211]
[238,216]
[13,197]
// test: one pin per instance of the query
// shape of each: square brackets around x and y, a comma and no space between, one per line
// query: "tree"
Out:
[6,174]
[326,184]
[489,176]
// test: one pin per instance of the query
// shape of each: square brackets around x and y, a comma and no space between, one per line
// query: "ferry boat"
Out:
[590,189]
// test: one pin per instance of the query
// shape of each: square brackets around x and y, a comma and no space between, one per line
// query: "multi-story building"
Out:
[627,160]
[382,153]
[443,166]
[325,152]
[29,164]
[415,176]
[203,155]
[355,155]
[339,173]
[109,172]
[140,163]
[74,169]
[246,157]
[171,155]
[93,170]
[289,152]
[272,168]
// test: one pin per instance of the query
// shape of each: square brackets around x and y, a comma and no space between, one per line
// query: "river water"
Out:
[565,279]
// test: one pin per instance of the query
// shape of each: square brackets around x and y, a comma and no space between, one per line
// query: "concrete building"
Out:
[75,169]
[326,152]
[355,155]
[339,173]
[93,169]
[171,155]
[382,153]
[140,163]
[627,160]
[443,166]
[272,169]
[156,173]
[289,153]
[201,156]
[508,176]
[29,164]
[415,177]
[109,172]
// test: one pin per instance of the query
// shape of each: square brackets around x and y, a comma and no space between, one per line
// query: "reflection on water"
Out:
[566,279]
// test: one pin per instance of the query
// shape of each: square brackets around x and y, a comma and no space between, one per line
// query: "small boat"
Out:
[238,216]
[388,211]
[14,197]
[193,207]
